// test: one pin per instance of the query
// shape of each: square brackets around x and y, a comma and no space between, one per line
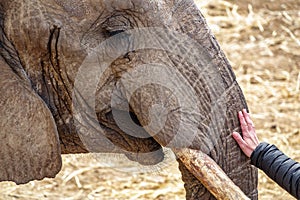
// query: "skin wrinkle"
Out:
[8,51]
[68,95]
[53,109]
[46,83]
[54,61]
[59,104]
[9,54]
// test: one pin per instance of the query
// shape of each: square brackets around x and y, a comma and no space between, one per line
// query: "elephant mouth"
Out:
[147,151]
[123,129]
[143,148]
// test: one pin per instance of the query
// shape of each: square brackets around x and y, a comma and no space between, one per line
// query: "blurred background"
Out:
[261,38]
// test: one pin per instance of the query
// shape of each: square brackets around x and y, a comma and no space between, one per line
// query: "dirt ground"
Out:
[262,41]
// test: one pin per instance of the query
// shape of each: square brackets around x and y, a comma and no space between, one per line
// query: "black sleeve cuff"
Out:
[279,167]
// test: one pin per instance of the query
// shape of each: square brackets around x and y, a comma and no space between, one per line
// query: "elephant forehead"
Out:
[80,7]
[90,11]
[78,16]
[76,8]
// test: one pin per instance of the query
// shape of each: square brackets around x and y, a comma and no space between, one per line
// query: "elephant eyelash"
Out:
[117,23]
[114,32]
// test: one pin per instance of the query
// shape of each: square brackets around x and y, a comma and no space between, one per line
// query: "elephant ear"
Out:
[29,144]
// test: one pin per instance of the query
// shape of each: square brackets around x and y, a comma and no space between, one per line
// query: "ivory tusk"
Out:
[210,174]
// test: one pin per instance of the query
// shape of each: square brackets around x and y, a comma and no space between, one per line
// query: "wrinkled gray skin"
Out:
[43,44]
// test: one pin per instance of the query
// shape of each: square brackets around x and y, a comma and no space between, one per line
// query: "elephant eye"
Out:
[117,23]
[115,32]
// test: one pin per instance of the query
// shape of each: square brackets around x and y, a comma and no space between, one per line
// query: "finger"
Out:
[243,145]
[243,123]
[238,138]
[247,118]
[242,119]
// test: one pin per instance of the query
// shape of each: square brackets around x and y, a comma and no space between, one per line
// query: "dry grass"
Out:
[262,42]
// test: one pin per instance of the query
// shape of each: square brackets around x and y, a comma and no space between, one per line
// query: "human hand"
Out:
[249,141]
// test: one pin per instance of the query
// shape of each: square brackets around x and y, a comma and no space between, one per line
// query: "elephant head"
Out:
[113,76]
